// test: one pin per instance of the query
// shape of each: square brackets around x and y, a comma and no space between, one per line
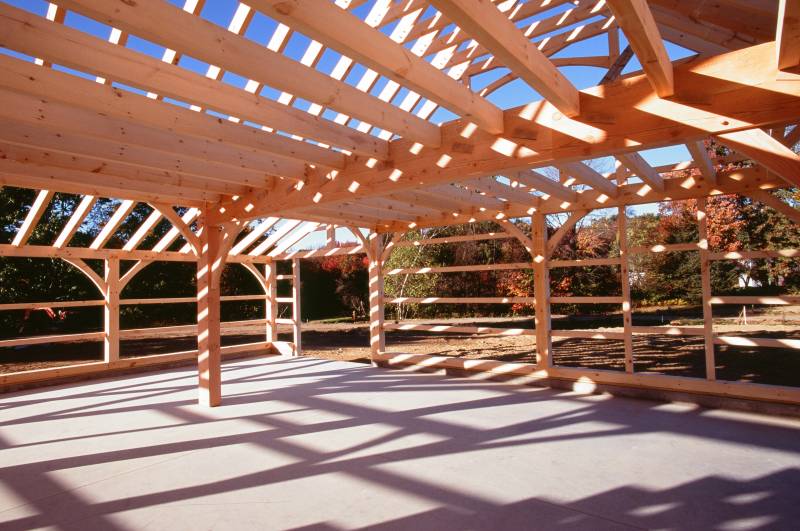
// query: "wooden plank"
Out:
[458,269]
[701,157]
[636,164]
[788,34]
[584,262]
[782,300]
[484,22]
[461,300]
[75,221]
[726,389]
[271,303]
[162,23]
[28,33]
[456,329]
[32,217]
[767,151]
[763,342]
[636,21]
[349,35]
[550,187]
[749,255]
[585,174]
[586,300]
[123,211]
[253,235]
[144,229]
[456,239]
[777,204]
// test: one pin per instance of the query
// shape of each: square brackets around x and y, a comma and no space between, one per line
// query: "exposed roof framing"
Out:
[332,117]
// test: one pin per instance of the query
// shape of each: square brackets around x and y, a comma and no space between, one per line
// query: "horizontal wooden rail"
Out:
[284,277]
[667,247]
[669,330]
[318,253]
[769,342]
[39,340]
[287,300]
[456,239]
[47,251]
[781,300]
[583,262]
[587,379]
[586,300]
[746,255]
[284,321]
[187,300]
[461,300]
[461,329]
[100,367]
[52,304]
[458,269]
[588,334]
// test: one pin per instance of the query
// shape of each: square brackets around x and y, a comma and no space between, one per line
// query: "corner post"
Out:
[377,335]
[111,310]
[541,291]
[209,354]
[297,319]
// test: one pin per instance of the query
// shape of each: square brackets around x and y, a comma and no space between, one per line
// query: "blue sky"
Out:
[261,28]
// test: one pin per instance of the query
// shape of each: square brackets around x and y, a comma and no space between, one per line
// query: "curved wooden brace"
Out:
[387,249]
[258,276]
[132,272]
[90,273]
[357,233]
[556,238]
[169,213]
[518,234]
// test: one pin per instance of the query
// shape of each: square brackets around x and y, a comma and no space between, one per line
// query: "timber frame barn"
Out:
[357,145]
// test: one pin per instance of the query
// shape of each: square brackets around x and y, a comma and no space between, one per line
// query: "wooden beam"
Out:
[123,210]
[253,235]
[162,23]
[636,164]
[701,157]
[209,270]
[585,174]
[75,221]
[28,33]
[767,151]
[636,21]
[377,336]
[111,330]
[775,203]
[26,78]
[788,34]
[541,291]
[144,229]
[705,282]
[537,181]
[32,218]
[297,315]
[489,26]
[344,32]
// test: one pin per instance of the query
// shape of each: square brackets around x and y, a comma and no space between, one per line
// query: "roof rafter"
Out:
[640,28]
[344,32]
[788,34]
[163,23]
[483,21]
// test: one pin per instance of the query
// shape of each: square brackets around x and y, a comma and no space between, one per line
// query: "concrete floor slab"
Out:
[312,444]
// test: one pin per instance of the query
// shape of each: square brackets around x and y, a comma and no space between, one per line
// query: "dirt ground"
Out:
[683,356]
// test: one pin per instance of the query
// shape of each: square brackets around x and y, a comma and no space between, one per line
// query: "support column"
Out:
[377,335]
[297,320]
[705,281]
[209,356]
[271,301]
[111,310]
[541,291]
[625,280]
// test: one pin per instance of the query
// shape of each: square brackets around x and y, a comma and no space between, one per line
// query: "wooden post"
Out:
[209,357]
[541,291]
[111,310]
[271,301]
[377,336]
[705,280]
[625,279]
[297,321]
[330,236]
